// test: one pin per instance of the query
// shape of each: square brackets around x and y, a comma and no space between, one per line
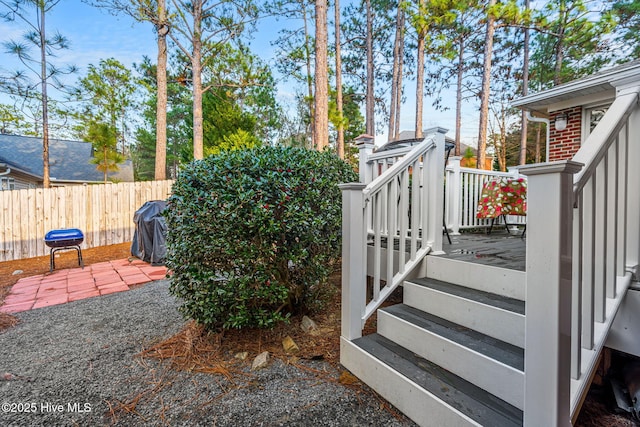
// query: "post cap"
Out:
[365,139]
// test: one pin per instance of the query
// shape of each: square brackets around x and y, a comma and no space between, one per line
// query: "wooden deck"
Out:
[498,249]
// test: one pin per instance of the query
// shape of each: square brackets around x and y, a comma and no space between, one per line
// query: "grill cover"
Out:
[149,239]
[63,237]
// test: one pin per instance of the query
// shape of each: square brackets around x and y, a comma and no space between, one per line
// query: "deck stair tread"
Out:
[487,298]
[477,404]
[501,351]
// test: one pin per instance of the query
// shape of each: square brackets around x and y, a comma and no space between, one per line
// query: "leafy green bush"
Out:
[252,234]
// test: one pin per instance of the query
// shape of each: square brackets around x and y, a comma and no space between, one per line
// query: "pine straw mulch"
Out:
[597,412]
[228,354]
[7,321]
[196,349]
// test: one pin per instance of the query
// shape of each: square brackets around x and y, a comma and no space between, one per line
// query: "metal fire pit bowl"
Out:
[64,239]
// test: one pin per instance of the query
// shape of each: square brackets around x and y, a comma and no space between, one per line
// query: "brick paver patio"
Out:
[73,284]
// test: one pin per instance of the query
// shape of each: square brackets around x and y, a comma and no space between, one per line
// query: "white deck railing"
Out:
[401,207]
[582,250]
[583,246]
[462,192]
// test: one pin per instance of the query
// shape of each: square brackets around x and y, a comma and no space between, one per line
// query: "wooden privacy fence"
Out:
[103,212]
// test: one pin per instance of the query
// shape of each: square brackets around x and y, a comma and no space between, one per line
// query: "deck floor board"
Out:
[498,249]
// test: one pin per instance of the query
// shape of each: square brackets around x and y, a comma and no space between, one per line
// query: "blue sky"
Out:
[95,34]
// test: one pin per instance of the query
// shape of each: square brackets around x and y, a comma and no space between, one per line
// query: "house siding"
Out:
[564,144]
[20,181]
[21,184]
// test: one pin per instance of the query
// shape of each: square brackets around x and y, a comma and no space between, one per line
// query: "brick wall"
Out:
[563,144]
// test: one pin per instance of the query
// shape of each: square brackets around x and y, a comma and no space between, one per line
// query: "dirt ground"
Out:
[596,411]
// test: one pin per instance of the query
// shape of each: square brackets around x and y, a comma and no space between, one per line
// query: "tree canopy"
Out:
[218,92]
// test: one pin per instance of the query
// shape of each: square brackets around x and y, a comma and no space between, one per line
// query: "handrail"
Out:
[398,208]
[592,150]
[396,152]
[397,167]
[578,269]
[389,226]
[600,200]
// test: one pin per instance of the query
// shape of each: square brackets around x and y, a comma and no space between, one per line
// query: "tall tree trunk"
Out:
[559,48]
[502,151]
[486,82]
[46,183]
[161,106]
[396,130]
[105,152]
[307,47]
[396,80]
[420,76]
[369,97]
[113,121]
[196,69]
[525,90]
[321,128]
[340,141]
[459,77]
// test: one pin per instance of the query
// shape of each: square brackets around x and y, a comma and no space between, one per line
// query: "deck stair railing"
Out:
[580,261]
[391,221]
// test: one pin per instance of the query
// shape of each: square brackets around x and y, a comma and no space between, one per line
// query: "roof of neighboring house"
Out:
[69,161]
[602,83]
[407,138]
[6,164]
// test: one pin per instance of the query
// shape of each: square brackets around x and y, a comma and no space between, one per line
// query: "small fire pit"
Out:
[64,239]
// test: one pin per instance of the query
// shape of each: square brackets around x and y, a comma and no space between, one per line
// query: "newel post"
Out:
[354,262]
[547,362]
[454,189]
[434,185]
[365,144]
[514,171]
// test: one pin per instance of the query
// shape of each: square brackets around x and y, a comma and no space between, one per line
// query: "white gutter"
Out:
[7,172]
[610,77]
[541,120]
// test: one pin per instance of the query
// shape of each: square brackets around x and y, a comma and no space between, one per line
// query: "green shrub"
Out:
[252,234]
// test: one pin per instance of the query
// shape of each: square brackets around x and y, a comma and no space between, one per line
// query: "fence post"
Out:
[454,187]
[365,144]
[354,260]
[547,361]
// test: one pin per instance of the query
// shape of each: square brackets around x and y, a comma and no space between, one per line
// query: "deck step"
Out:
[438,397]
[497,280]
[474,356]
[491,314]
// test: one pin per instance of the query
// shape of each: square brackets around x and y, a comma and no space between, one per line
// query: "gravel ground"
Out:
[77,364]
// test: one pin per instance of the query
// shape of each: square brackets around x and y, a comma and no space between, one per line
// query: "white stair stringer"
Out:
[414,401]
[497,378]
[501,281]
[505,325]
